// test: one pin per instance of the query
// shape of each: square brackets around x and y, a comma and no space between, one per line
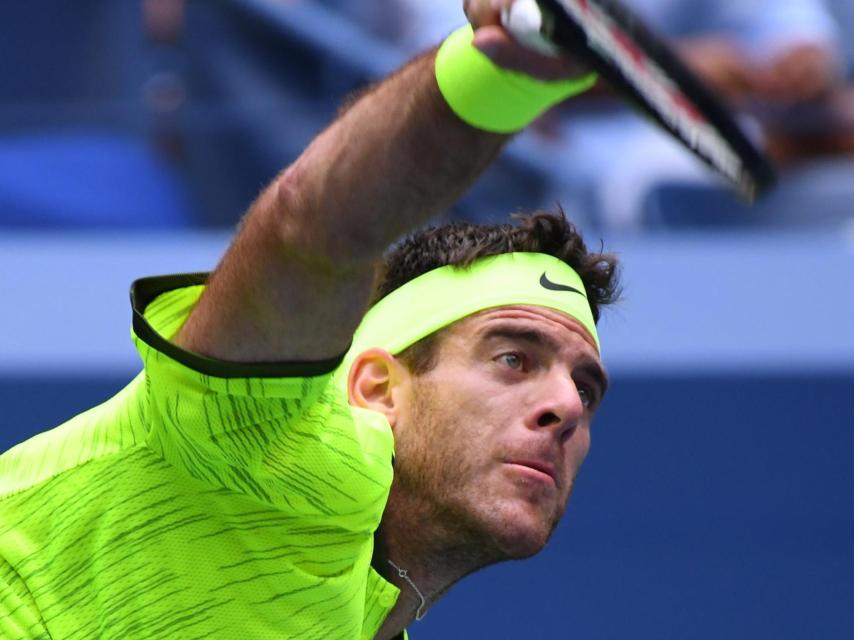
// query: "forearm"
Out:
[295,282]
[392,160]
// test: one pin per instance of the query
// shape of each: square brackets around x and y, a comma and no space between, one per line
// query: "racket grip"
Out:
[524,20]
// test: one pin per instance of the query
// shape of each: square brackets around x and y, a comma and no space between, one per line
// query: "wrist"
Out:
[491,98]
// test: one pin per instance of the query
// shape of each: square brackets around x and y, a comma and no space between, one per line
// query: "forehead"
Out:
[564,329]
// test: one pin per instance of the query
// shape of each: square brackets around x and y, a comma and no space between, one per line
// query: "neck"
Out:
[422,561]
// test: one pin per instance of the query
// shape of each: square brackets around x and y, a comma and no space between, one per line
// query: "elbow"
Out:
[313,229]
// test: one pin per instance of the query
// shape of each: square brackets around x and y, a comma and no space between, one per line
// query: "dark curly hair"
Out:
[461,243]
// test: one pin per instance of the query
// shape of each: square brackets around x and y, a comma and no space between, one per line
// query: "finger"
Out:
[503,50]
[481,13]
[804,73]
[795,84]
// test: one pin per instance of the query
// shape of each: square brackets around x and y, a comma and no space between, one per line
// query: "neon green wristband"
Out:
[491,98]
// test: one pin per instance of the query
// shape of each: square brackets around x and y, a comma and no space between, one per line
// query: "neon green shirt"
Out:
[205,500]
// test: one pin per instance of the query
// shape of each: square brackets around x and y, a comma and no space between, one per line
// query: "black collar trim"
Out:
[144,290]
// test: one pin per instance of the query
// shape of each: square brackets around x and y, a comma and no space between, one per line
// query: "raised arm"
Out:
[296,280]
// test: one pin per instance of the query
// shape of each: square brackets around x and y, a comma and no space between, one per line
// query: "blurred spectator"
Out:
[82,98]
[778,62]
[843,11]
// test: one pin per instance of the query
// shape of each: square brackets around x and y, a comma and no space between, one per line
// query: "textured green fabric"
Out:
[190,506]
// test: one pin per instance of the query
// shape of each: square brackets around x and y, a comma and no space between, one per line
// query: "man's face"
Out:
[490,440]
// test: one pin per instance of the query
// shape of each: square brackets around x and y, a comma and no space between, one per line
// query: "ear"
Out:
[375,382]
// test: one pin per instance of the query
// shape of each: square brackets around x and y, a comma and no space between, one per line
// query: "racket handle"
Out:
[524,20]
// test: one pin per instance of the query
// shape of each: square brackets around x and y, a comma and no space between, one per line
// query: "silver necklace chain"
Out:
[403,573]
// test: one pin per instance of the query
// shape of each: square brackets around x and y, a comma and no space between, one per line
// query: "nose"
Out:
[559,406]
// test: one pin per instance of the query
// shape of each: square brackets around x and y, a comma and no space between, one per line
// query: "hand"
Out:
[721,66]
[491,38]
[801,73]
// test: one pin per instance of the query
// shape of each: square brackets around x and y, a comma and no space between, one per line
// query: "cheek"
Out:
[446,431]
[464,403]
[477,425]
[458,424]
[577,448]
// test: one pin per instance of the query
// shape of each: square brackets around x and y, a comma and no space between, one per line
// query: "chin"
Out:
[520,531]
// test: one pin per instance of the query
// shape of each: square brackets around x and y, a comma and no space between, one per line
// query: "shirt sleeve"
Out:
[281,434]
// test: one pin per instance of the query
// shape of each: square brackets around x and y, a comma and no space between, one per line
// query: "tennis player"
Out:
[287,466]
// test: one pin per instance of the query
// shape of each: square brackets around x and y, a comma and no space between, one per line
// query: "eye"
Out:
[512,359]
[588,398]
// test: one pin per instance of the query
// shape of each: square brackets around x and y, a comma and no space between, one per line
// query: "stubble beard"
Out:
[448,507]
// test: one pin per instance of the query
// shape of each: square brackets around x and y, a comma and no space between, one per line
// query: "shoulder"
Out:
[161,305]
[104,430]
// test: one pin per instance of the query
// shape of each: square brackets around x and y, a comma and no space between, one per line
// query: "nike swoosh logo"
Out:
[554,286]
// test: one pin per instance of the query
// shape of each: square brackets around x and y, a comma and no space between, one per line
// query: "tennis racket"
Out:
[641,66]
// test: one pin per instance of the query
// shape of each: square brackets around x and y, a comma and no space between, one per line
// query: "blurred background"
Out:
[717,500]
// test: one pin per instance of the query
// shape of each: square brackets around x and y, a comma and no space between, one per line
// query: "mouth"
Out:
[535,469]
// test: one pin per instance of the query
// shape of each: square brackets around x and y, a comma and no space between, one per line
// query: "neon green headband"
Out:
[444,295]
